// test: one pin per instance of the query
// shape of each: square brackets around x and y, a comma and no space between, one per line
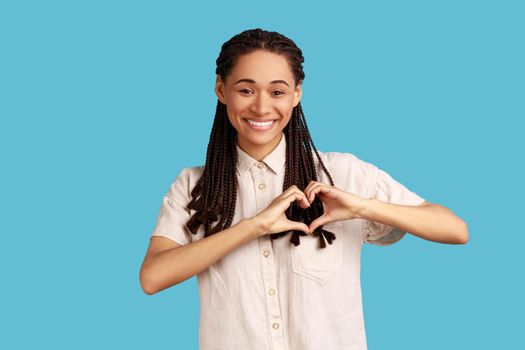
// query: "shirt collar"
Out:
[274,160]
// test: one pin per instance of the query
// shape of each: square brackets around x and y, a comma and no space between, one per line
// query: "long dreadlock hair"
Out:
[215,194]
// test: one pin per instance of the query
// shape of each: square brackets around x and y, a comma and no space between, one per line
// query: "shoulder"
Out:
[193,172]
[185,181]
[349,171]
[345,161]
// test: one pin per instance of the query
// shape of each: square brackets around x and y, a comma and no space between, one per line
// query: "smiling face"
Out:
[259,94]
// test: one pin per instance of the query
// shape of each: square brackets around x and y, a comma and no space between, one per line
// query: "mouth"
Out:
[260,125]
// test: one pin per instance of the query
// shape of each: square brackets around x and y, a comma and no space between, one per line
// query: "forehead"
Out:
[263,67]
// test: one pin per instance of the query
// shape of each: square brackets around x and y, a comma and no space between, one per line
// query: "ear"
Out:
[219,89]
[298,93]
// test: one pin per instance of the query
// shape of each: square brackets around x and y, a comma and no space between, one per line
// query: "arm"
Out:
[169,267]
[168,263]
[429,221]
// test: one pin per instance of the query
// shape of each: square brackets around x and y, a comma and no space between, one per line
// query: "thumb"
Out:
[323,219]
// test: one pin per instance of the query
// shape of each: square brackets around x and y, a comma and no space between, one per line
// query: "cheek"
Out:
[232,118]
[237,105]
[285,104]
[287,120]
[286,109]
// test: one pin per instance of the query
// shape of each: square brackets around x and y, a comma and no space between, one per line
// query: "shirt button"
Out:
[266,253]
[261,186]
[275,326]
[271,292]
[260,165]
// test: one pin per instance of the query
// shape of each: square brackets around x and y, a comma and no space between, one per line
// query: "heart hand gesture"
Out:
[273,219]
[338,205]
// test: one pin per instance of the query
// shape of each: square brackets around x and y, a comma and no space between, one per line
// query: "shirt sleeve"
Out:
[387,189]
[173,215]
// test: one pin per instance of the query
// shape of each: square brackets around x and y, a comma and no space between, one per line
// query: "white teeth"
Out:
[260,123]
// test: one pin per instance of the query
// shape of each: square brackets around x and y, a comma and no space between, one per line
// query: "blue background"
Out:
[102,103]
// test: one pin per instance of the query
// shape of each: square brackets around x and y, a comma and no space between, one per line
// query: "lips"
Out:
[264,124]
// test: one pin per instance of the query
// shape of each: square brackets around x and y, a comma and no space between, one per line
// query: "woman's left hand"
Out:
[338,204]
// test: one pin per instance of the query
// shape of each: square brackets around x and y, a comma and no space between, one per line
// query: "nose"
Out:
[261,105]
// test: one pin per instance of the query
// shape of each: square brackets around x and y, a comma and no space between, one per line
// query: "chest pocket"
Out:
[318,264]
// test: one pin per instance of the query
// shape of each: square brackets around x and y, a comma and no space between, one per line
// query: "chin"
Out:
[261,139]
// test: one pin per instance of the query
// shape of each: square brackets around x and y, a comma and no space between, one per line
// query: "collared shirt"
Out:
[271,294]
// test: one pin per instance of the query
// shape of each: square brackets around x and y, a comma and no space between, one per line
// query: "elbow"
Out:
[147,289]
[463,236]
[146,283]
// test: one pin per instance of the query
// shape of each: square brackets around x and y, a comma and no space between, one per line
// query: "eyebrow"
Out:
[253,81]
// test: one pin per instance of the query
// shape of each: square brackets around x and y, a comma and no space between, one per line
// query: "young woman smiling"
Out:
[228,220]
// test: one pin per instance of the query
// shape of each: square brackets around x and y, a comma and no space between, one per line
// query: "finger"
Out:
[297,196]
[287,193]
[312,185]
[320,221]
[319,187]
[303,201]
[291,189]
[299,226]
[309,187]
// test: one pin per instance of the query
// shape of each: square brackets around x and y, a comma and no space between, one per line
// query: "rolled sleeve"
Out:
[387,189]
[173,214]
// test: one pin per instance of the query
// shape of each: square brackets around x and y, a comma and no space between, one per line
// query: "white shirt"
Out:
[271,294]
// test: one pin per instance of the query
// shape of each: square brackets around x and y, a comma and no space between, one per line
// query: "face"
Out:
[260,94]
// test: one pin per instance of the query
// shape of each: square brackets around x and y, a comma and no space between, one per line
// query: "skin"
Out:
[167,263]
[260,100]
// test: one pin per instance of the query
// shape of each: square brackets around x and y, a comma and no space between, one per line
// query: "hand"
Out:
[273,219]
[338,204]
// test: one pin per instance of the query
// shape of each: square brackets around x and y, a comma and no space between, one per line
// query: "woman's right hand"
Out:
[273,219]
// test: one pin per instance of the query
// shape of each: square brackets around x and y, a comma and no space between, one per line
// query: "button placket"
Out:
[263,198]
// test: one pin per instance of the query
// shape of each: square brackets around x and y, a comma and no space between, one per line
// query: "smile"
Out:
[260,125]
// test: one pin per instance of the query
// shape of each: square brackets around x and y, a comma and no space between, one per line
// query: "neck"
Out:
[259,152]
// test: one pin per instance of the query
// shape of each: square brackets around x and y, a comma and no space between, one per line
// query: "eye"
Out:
[279,92]
[244,90]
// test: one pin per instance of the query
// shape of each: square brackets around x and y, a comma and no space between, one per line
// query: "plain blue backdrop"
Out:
[102,103]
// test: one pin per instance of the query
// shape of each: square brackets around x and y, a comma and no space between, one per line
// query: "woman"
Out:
[264,179]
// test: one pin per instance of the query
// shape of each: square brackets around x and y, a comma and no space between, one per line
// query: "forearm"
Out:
[173,266]
[432,222]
